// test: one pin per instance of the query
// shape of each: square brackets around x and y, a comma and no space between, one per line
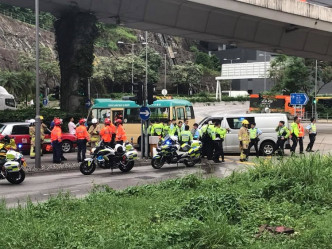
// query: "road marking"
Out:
[247,163]
[74,191]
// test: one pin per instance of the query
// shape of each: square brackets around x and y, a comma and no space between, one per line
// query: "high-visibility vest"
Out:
[295,129]
[120,134]
[157,129]
[217,133]
[282,132]
[253,133]
[301,130]
[82,133]
[56,134]
[313,129]
[186,136]
[107,132]
[166,130]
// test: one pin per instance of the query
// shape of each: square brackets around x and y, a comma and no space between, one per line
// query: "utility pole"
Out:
[165,71]
[37,119]
[146,95]
[316,81]
[132,69]
[264,71]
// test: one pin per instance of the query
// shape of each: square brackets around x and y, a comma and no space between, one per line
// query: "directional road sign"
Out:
[299,99]
[144,113]
[45,102]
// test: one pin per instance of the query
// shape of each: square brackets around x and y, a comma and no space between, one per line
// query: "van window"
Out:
[101,114]
[20,130]
[180,113]
[236,123]
[10,102]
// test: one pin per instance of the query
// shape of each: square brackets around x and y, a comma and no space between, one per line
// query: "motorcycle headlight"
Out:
[93,150]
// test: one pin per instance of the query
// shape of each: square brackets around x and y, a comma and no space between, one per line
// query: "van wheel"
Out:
[267,148]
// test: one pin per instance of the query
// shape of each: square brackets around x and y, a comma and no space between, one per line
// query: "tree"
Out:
[187,77]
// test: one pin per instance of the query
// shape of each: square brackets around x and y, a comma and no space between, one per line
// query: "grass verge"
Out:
[187,213]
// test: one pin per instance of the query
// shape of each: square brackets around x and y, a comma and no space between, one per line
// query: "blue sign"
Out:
[299,99]
[88,103]
[45,102]
[144,113]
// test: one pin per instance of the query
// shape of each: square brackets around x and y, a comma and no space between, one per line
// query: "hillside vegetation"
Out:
[191,212]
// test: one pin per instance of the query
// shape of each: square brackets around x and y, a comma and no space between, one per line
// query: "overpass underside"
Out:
[219,21]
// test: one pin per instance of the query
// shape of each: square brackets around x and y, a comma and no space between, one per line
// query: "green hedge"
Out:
[21,115]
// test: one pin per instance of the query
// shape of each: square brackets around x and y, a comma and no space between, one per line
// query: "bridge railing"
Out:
[295,7]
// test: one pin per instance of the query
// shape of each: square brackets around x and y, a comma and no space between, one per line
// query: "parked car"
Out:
[266,122]
[20,132]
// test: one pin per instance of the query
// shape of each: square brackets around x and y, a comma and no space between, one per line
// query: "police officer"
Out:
[186,136]
[208,146]
[294,134]
[83,137]
[312,130]
[283,133]
[218,136]
[244,140]
[157,129]
[254,133]
[167,127]
[196,132]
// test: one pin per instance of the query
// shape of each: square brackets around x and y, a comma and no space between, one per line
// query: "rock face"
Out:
[17,37]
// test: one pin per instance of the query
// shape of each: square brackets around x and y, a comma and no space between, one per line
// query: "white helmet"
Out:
[94,121]
[32,121]
[174,138]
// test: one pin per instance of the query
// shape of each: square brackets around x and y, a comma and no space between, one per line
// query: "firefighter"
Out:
[301,135]
[56,139]
[218,136]
[311,129]
[282,133]
[108,133]
[94,131]
[254,134]
[186,136]
[32,133]
[295,134]
[157,129]
[121,136]
[244,140]
[83,137]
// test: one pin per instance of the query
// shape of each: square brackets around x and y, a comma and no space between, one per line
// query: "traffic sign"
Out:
[144,113]
[299,99]
[45,102]
[88,103]
[164,92]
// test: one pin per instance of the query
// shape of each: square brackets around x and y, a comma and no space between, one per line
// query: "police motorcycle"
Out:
[170,151]
[12,165]
[121,157]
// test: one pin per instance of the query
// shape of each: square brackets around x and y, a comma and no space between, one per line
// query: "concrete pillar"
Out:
[75,36]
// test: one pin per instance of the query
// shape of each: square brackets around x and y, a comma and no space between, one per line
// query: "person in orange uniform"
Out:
[82,138]
[120,132]
[108,133]
[301,136]
[56,139]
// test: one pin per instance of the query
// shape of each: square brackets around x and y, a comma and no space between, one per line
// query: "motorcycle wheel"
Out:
[190,163]
[17,177]
[127,167]
[85,169]
[157,163]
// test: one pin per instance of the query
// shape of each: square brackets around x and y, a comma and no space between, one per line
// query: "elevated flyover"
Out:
[280,26]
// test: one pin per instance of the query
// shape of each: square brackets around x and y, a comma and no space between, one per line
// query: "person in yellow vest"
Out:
[294,134]
[157,129]
[254,133]
[218,136]
[94,131]
[312,130]
[301,136]
[167,127]
[244,140]
[185,136]
[282,133]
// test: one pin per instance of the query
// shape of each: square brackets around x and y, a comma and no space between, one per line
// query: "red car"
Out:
[20,132]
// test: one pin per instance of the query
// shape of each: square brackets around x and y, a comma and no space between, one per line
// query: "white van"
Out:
[7,101]
[235,93]
[266,122]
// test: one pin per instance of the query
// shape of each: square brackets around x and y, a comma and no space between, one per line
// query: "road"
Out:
[40,187]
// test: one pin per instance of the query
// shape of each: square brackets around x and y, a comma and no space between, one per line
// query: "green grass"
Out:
[191,212]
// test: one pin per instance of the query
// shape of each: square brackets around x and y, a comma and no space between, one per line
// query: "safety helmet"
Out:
[41,118]
[107,121]
[32,121]
[118,121]
[245,122]
[82,121]
[174,138]
[119,148]
[57,121]
[94,121]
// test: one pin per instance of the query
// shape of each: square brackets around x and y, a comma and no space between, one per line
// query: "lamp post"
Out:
[316,81]
[265,75]
[37,119]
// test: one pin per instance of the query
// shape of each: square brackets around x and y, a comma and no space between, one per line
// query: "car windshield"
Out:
[2,127]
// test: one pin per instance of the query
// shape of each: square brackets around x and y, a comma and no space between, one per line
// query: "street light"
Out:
[265,55]
[38,123]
